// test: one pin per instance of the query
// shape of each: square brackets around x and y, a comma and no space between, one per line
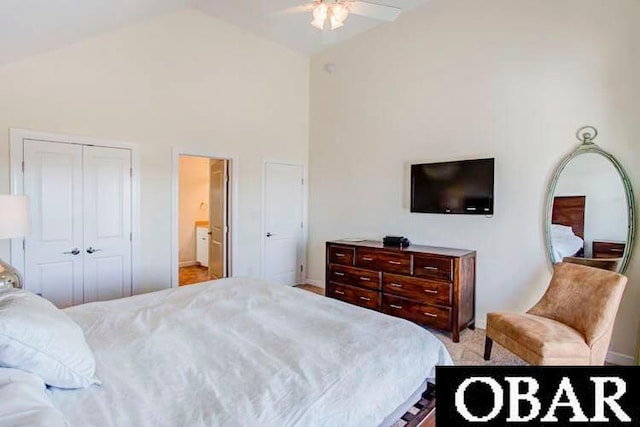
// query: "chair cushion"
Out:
[538,340]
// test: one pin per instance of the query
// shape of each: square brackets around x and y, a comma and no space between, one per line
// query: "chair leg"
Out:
[488,343]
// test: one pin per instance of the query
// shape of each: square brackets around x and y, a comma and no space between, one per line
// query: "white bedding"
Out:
[242,352]
[564,242]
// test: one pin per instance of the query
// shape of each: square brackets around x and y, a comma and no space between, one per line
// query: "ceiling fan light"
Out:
[320,12]
[339,12]
[319,24]
[335,24]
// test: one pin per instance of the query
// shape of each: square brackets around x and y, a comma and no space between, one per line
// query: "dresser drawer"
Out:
[357,296]
[341,255]
[384,261]
[433,267]
[608,249]
[355,276]
[429,315]
[420,290]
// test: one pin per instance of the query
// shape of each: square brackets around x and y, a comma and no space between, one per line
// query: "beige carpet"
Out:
[470,350]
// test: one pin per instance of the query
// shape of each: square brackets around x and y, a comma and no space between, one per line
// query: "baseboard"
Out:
[313,282]
[620,359]
[188,263]
[481,323]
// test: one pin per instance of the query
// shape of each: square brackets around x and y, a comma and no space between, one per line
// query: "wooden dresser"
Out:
[608,249]
[434,287]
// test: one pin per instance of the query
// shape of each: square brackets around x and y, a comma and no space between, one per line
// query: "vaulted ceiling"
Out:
[29,27]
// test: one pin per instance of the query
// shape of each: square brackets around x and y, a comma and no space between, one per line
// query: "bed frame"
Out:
[569,211]
[426,410]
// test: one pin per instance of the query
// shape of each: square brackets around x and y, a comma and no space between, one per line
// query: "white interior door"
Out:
[53,250]
[283,244]
[107,223]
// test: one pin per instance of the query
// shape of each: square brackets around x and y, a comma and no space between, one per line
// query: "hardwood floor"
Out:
[192,275]
[312,288]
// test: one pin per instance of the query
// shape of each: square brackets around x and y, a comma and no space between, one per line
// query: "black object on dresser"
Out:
[431,286]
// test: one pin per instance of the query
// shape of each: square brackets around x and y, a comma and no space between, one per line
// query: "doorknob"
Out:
[75,251]
[269,234]
[91,250]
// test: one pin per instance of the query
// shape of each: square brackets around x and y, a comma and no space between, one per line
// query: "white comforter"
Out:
[239,352]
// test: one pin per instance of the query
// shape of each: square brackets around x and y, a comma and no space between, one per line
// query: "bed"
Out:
[244,352]
[567,227]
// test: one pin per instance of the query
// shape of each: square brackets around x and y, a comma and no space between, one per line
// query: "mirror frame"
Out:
[588,146]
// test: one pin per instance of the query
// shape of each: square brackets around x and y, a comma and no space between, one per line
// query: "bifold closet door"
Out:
[107,223]
[53,249]
[79,248]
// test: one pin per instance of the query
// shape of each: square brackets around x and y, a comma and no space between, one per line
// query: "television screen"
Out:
[464,187]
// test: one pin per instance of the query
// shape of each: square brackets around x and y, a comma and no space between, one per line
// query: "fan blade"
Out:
[296,9]
[375,11]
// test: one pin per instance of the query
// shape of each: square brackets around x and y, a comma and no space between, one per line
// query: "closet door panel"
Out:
[107,223]
[53,249]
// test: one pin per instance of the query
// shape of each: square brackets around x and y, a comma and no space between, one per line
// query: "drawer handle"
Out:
[395,262]
[337,273]
[339,292]
[430,315]
[365,279]
[397,307]
[429,291]
[367,259]
[431,268]
[365,299]
[340,255]
[616,250]
[395,285]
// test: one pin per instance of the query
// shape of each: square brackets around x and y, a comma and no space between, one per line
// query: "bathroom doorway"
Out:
[204,238]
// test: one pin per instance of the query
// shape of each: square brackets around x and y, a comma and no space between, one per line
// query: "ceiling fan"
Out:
[331,14]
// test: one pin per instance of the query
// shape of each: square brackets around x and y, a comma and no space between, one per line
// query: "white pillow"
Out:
[24,401]
[37,337]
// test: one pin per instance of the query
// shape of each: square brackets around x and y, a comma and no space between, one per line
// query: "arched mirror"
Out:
[590,212]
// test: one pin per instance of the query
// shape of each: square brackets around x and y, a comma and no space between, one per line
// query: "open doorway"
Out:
[203,219]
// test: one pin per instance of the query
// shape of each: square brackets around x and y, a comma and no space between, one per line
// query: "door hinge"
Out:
[301,224]
[302,181]
[131,172]
[131,236]
[24,244]
[301,268]
[23,167]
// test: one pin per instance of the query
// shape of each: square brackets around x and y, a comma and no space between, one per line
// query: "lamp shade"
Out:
[14,216]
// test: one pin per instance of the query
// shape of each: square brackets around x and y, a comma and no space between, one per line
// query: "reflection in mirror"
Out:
[589,219]
[589,210]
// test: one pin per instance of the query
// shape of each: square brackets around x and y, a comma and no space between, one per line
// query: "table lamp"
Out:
[14,222]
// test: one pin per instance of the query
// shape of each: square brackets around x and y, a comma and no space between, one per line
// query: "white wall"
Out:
[183,79]
[194,203]
[468,79]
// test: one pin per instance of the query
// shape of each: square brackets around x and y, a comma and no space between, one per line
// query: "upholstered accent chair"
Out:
[572,323]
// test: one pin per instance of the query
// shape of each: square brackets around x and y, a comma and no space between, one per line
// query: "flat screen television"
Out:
[463,187]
